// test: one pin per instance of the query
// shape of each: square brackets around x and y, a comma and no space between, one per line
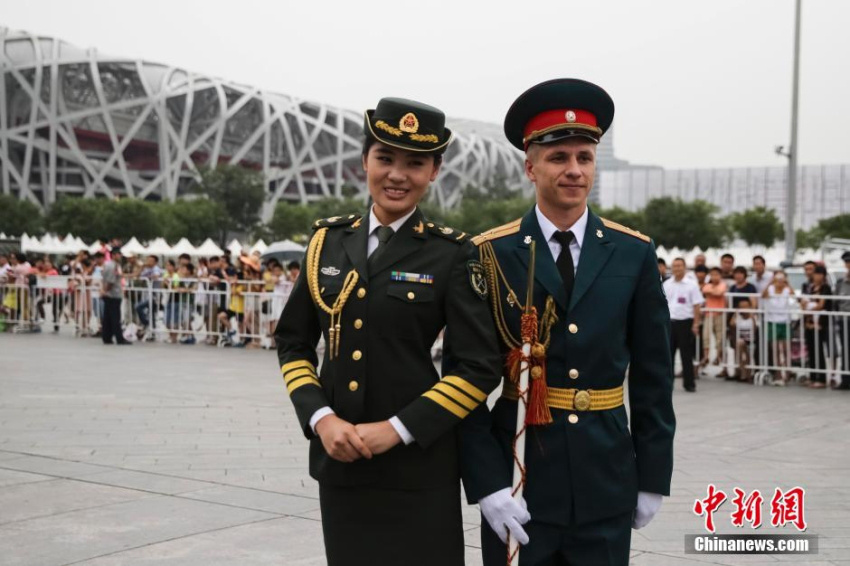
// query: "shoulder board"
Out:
[625,230]
[498,232]
[346,220]
[447,233]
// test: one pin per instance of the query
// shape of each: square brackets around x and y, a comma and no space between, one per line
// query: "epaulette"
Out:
[498,232]
[336,221]
[625,230]
[447,233]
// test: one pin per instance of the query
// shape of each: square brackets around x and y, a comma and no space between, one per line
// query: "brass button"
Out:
[356,355]
[573,419]
[361,292]
[358,324]
[573,373]
[573,328]
[353,386]
[411,295]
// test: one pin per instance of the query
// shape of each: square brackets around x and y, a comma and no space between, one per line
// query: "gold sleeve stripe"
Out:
[446,403]
[292,386]
[455,395]
[466,387]
[296,365]
[295,374]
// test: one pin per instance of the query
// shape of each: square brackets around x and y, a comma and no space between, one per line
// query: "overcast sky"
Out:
[695,83]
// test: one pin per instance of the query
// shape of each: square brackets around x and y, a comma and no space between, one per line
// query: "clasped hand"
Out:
[346,442]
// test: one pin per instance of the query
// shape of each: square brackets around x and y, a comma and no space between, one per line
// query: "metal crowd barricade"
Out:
[784,342]
[260,311]
[185,311]
[42,301]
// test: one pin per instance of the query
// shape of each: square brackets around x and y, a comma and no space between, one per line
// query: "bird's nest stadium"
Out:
[75,121]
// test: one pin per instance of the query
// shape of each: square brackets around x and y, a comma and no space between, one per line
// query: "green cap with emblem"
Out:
[407,124]
[559,109]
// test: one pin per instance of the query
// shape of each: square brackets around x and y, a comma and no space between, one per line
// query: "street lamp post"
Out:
[793,152]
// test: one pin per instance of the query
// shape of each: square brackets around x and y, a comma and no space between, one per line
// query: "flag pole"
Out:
[528,339]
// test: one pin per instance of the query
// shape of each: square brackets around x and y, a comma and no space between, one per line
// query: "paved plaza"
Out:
[191,455]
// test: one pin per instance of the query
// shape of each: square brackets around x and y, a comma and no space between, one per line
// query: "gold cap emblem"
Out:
[409,123]
[571,116]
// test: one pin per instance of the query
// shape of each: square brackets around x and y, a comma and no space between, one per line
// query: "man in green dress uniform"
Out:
[590,478]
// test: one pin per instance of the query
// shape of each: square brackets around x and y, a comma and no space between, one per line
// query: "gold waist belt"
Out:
[575,399]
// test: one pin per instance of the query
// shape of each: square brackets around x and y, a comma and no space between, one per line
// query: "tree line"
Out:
[227,201]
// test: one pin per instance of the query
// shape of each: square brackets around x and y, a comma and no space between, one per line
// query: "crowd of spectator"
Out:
[236,299]
[752,321]
[724,316]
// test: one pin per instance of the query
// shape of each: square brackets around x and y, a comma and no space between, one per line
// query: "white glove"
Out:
[647,506]
[505,515]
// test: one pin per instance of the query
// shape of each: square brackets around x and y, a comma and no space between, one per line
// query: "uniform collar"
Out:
[374,223]
[548,228]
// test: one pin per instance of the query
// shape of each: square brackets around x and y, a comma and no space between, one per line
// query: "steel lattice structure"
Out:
[76,121]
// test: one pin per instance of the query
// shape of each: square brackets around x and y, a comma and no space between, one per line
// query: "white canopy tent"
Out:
[158,247]
[184,246]
[235,247]
[133,247]
[259,246]
[209,248]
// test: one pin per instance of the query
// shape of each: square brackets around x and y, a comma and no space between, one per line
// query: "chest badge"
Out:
[599,233]
[332,271]
[526,240]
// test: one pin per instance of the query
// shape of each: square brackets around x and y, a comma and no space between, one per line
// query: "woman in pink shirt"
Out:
[715,298]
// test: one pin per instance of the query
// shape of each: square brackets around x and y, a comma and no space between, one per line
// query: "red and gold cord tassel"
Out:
[537,410]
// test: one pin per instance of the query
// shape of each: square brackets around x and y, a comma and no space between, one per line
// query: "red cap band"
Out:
[546,121]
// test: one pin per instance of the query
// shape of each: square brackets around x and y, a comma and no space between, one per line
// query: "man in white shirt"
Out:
[760,279]
[684,299]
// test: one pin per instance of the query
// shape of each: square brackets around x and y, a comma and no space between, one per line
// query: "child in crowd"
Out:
[743,328]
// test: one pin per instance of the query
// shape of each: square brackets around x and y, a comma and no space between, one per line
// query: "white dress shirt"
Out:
[371,246]
[681,298]
[374,224]
[549,229]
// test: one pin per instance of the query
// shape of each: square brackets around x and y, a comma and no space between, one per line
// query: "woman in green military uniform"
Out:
[379,288]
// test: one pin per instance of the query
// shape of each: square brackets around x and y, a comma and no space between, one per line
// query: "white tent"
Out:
[69,244]
[28,244]
[209,248]
[184,246]
[259,246]
[95,247]
[235,247]
[50,244]
[133,247]
[158,247]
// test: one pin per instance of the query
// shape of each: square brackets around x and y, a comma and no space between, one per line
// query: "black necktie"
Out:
[565,262]
[384,234]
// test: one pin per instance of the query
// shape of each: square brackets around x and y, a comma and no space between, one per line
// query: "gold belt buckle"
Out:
[581,401]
